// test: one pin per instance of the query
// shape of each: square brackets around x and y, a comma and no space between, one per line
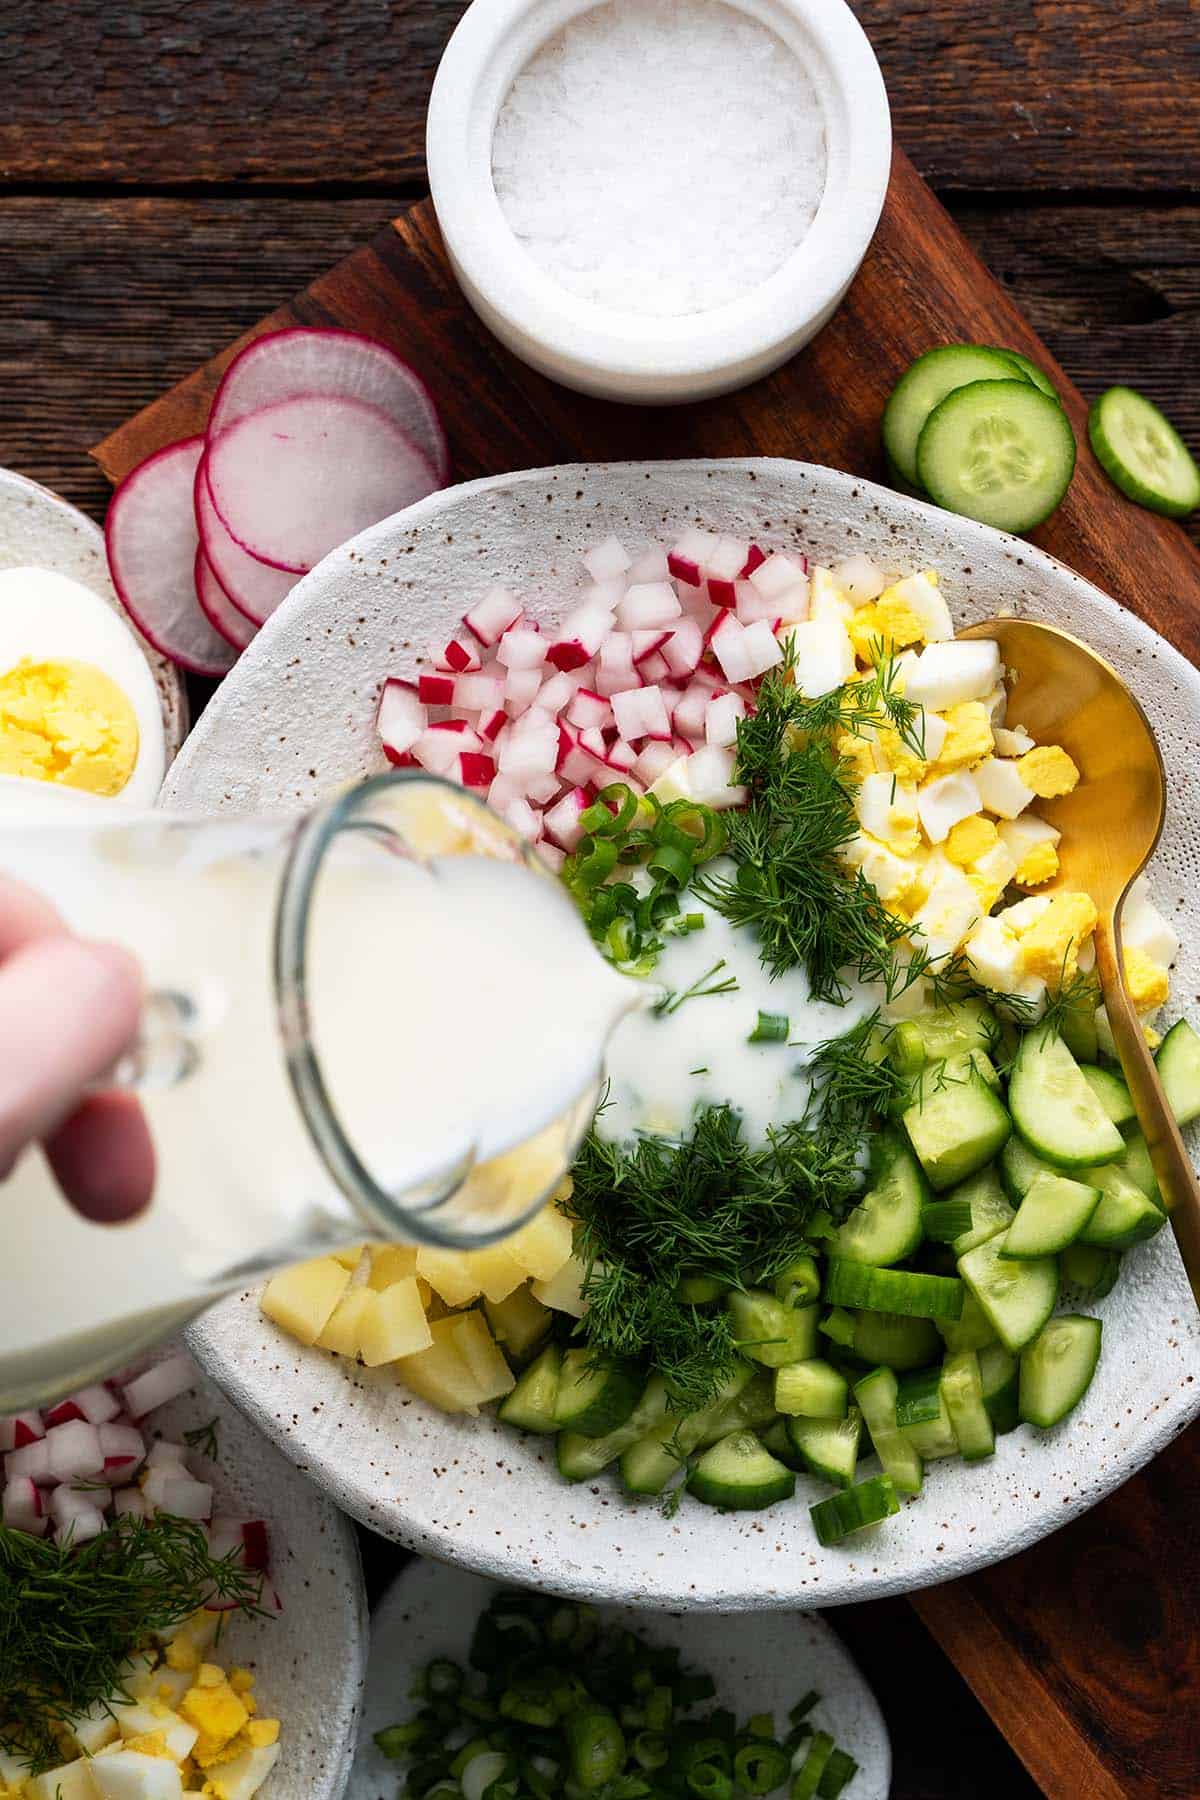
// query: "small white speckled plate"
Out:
[309,1655]
[38,529]
[760,1663]
[296,718]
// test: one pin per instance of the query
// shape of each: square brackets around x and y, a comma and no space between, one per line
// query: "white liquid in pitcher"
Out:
[453,1007]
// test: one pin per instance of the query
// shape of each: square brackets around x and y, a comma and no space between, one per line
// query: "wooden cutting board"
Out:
[1084,1648]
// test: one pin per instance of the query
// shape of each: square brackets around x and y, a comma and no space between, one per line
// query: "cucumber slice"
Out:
[838,1327]
[1111,1092]
[750,1410]
[1057,1368]
[1029,370]
[836,1518]
[943,1031]
[1125,1215]
[1142,452]
[956,1128]
[770,1333]
[799,1284]
[892,1290]
[962,1390]
[999,1374]
[1055,1110]
[1088,1267]
[582,1458]
[530,1405]
[1137,1165]
[775,1439]
[648,1465]
[917,1397]
[990,1211]
[828,1447]
[876,1395]
[1178,1062]
[998,451]
[813,1389]
[933,1438]
[1052,1215]
[595,1394]
[972,1330]
[1080,1028]
[1019,1168]
[920,389]
[885,1226]
[1018,1297]
[901,1343]
[740,1475]
[945,1220]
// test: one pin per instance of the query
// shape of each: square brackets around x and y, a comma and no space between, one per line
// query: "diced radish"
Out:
[401,719]
[521,816]
[151,538]
[647,643]
[580,637]
[491,724]
[552,856]
[22,1509]
[64,1412]
[653,758]
[300,360]
[686,561]
[681,652]
[179,1495]
[479,693]
[709,773]
[557,692]
[158,1385]
[218,608]
[540,790]
[622,756]
[521,648]
[593,742]
[75,1451]
[726,644]
[492,616]
[256,1544]
[124,1448]
[648,604]
[607,560]
[129,1500]
[436,689]
[32,1460]
[750,605]
[96,1404]
[691,710]
[300,476]
[253,587]
[574,764]
[721,719]
[651,565]
[605,596]
[562,820]
[723,566]
[761,650]
[166,1455]
[75,1514]
[655,668]
[777,574]
[477,770]
[641,713]
[459,658]
[437,751]
[521,689]
[531,747]
[19,1429]
[755,558]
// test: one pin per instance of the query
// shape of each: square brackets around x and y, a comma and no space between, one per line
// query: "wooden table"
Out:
[170,170]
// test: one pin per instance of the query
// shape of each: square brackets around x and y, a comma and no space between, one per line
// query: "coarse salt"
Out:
[661,157]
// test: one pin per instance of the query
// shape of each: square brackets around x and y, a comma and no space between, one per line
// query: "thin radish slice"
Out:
[151,537]
[218,608]
[294,480]
[253,587]
[284,364]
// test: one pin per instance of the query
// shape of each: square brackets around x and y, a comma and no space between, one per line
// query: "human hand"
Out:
[68,1008]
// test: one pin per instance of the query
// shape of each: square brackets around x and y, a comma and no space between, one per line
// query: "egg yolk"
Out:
[66,722]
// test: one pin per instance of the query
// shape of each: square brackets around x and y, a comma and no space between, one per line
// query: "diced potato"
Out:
[497,1271]
[441,1374]
[302,1299]
[72,1781]
[128,1775]
[89,1731]
[143,1718]
[395,1326]
[544,1245]
[391,1262]
[564,1291]
[518,1323]
[343,1330]
[449,1274]
[479,1352]
[350,1256]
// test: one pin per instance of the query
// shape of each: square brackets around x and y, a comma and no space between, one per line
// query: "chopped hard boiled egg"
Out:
[1001,788]
[946,800]
[968,736]
[887,809]
[1048,771]
[1145,982]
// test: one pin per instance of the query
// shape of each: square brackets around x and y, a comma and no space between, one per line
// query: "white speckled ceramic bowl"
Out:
[759,1665]
[310,1655]
[39,529]
[297,716]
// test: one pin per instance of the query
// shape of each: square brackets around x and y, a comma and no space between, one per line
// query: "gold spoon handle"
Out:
[1172,1164]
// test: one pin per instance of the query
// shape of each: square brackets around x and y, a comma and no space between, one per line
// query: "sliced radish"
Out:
[218,608]
[531,746]
[151,538]
[573,762]
[32,1460]
[178,1494]
[256,1544]
[648,643]
[253,587]
[401,719]
[621,756]
[64,1412]
[655,668]
[339,364]
[691,710]
[492,616]
[521,816]
[296,479]
[542,789]
[754,560]
[158,1385]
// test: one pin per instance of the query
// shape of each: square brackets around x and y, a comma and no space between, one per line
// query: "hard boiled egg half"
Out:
[79,708]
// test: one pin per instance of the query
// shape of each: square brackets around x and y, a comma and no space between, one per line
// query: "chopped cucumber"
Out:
[941,1032]
[749,1410]
[813,1389]
[648,1465]
[1020,1168]
[990,1211]
[1055,1110]
[1137,1165]
[999,1374]
[1125,1215]
[923,385]
[740,1475]
[1018,1297]
[956,1128]
[917,1397]
[1142,452]
[998,451]
[891,1338]
[962,1390]
[838,1327]
[1052,1215]
[530,1405]
[892,1290]
[1028,369]
[581,1458]
[700,1290]
[595,1393]
[972,1330]
[945,1220]
[1057,1368]
[1178,1062]
[1088,1267]
[1111,1092]
[1080,1026]
[769,1332]
[828,1447]
[818,1754]
[876,1395]
[885,1226]
[933,1438]
[852,1510]
[799,1284]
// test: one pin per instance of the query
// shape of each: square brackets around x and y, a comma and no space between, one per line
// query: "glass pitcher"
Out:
[384,1018]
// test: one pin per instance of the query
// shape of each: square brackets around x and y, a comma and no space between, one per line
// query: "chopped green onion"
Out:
[596,1746]
[761,1767]
[772,1028]
[398,1740]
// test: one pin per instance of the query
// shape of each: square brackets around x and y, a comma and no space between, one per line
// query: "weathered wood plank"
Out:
[1036,94]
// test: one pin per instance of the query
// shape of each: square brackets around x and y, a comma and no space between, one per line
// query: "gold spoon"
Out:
[1063,693]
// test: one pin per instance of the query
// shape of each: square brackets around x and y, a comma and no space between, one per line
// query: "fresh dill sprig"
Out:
[701,988]
[71,1617]
[205,1439]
